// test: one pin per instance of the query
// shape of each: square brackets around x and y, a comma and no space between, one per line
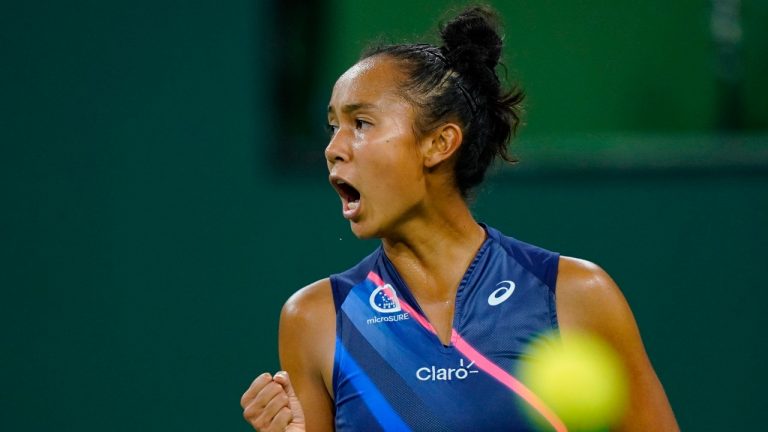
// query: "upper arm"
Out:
[306,345]
[589,300]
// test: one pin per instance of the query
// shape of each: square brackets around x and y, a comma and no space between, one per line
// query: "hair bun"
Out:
[472,38]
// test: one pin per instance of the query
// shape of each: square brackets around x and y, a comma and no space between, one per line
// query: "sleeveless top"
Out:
[392,373]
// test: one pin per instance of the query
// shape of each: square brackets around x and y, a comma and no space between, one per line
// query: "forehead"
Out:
[372,80]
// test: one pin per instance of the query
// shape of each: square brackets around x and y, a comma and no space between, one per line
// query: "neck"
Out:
[432,251]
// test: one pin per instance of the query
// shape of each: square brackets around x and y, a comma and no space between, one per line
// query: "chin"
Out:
[363,231]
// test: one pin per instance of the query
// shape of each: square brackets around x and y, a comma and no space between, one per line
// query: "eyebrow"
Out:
[346,109]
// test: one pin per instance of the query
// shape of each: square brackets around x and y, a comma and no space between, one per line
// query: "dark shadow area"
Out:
[299,44]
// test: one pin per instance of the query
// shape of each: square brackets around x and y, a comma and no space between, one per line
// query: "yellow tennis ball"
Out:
[579,377]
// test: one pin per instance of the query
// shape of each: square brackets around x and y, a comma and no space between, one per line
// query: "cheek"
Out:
[398,175]
[392,160]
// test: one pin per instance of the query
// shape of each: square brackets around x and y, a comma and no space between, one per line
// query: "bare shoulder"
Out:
[583,276]
[313,302]
[307,347]
[588,299]
[308,324]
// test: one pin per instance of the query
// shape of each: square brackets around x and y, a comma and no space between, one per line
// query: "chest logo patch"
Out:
[434,373]
[501,294]
[384,299]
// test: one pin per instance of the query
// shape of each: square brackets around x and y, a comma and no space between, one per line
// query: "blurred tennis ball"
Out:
[580,377]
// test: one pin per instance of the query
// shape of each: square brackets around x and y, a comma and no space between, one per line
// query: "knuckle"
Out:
[273,390]
[248,413]
[261,380]
[257,385]
[244,399]
[259,423]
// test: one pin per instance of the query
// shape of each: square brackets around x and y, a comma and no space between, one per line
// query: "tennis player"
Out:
[426,333]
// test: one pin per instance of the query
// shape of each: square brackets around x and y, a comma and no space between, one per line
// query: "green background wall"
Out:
[148,238]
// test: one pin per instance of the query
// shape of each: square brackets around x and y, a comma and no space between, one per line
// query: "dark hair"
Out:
[458,82]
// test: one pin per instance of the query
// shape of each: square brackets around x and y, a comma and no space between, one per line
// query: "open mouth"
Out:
[350,197]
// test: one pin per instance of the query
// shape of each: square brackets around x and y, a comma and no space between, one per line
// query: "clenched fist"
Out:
[271,405]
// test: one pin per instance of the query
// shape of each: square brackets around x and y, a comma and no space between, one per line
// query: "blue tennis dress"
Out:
[392,373]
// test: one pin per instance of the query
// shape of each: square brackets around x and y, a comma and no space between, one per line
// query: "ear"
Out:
[441,144]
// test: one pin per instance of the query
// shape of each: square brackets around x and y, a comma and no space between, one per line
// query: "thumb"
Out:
[284,380]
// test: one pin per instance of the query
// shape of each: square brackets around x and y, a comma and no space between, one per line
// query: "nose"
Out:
[337,149]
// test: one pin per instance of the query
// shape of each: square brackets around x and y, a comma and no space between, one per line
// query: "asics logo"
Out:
[500,295]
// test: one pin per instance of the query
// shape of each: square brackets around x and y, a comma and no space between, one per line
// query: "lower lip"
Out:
[350,213]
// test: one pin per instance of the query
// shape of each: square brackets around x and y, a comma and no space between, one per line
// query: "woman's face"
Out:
[373,155]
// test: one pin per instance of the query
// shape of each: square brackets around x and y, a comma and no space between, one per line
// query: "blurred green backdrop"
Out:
[152,224]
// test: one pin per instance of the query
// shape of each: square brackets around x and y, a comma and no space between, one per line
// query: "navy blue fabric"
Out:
[506,298]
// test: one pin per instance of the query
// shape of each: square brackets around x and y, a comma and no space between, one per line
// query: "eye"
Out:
[331,129]
[361,124]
